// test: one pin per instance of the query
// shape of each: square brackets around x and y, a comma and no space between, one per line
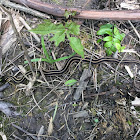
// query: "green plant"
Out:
[70,30]
[68,14]
[48,57]
[112,39]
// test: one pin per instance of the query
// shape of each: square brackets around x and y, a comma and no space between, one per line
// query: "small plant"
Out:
[60,31]
[69,14]
[113,38]
[48,57]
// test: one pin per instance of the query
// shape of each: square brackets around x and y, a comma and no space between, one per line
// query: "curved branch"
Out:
[84,14]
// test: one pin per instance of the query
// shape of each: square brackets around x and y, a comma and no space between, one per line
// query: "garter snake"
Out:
[69,62]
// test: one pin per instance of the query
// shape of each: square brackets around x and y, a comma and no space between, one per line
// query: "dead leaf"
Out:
[50,128]
[129,4]
[8,37]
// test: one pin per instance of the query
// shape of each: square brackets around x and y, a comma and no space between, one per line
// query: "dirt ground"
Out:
[48,110]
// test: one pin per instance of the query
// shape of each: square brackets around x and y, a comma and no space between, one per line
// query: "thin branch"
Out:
[24,131]
[84,14]
[23,8]
[134,29]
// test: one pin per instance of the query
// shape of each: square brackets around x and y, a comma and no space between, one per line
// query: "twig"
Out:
[69,131]
[44,97]
[29,28]
[24,9]
[59,67]
[30,50]
[86,3]
[19,39]
[118,67]
[27,133]
[136,134]
[134,29]
[0,46]
[36,102]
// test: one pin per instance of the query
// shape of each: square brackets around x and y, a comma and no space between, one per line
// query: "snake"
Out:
[68,63]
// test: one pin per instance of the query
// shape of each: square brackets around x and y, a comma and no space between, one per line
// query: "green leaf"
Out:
[74,105]
[113,49]
[99,40]
[116,31]
[108,44]
[70,82]
[60,31]
[69,13]
[129,122]
[108,52]
[76,45]
[103,31]
[118,37]
[41,27]
[115,40]
[119,48]
[123,35]
[48,27]
[50,60]
[106,26]
[122,48]
[74,13]
[109,33]
[63,58]
[56,107]
[72,27]
[96,120]
[58,37]
[108,38]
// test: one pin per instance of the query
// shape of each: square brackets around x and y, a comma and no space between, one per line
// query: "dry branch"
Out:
[84,14]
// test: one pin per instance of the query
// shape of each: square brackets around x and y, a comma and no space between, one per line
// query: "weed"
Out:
[60,32]
[113,38]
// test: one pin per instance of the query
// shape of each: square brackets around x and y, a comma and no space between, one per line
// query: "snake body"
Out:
[72,60]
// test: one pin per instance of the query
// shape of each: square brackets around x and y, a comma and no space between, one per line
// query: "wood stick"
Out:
[83,14]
